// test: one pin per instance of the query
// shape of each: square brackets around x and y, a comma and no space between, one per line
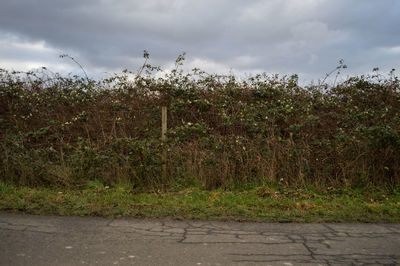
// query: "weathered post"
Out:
[164,140]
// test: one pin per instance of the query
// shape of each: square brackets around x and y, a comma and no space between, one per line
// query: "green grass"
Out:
[254,204]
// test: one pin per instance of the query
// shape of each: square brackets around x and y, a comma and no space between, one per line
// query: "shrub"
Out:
[223,132]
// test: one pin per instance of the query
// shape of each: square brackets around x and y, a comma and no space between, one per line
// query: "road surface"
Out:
[53,240]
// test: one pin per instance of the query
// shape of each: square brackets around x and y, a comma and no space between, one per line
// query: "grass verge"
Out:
[256,204]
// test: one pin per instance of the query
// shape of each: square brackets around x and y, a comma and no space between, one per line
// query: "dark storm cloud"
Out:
[288,36]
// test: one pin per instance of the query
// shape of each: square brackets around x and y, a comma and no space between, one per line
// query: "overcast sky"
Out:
[307,37]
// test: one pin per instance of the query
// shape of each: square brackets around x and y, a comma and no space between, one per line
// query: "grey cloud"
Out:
[286,36]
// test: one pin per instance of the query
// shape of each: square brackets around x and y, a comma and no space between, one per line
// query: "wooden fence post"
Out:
[164,140]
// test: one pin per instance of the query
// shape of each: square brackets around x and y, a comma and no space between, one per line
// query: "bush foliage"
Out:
[222,131]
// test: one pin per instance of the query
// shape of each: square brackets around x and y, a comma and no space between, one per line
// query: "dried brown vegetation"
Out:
[223,132]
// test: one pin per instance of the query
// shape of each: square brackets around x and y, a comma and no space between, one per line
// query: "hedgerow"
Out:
[222,131]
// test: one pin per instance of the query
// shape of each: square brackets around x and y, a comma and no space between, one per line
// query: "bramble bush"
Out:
[222,131]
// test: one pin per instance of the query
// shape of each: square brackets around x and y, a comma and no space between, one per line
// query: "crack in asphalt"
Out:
[313,243]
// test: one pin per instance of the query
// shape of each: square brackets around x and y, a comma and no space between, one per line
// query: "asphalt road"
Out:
[53,240]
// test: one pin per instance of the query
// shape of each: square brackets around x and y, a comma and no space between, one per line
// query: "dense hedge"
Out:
[223,132]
